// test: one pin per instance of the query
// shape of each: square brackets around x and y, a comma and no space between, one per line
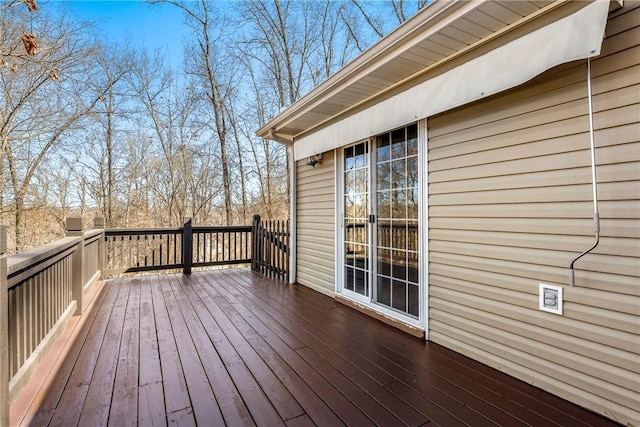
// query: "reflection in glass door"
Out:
[356,219]
[396,243]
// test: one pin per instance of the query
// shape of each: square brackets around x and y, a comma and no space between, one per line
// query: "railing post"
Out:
[255,236]
[75,228]
[187,246]
[4,331]
[99,222]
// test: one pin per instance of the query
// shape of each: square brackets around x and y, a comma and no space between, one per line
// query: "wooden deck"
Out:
[229,347]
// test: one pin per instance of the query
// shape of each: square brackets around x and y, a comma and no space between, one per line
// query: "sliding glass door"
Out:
[380,233]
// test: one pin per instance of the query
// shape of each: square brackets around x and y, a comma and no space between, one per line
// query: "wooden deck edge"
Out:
[412,330]
[27,400]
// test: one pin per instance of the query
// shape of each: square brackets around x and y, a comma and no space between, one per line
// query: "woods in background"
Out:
[91,128]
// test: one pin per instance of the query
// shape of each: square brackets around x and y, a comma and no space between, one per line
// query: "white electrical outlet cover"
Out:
[550,290]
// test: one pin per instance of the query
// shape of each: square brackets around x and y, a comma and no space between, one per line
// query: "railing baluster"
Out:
[272,247]
[266,248]
[13,332]
[280,254]
[216,246]
[122,252]
[205,248]
[46,303]
[168,249]
[56,292]
[261,257]
[38,303]
[22,324]
[283,266]
[211,247]
[153,250]
[174,240]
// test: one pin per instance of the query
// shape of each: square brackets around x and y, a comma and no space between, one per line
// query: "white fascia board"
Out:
[576,36]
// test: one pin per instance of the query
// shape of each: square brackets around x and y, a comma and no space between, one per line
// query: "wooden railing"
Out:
[44,289]
[214,246]
[270,247]
[45,286]
[134,250]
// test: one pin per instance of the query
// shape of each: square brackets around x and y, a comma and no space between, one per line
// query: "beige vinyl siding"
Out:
[510,205]
[316,225]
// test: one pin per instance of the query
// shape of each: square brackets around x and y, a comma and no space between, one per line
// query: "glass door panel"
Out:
[396,192]
[356,219]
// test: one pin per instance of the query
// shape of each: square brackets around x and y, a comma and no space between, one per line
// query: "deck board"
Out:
[177,402]
[230,347]
[75,391]
[200,391]
[97,402]
[150,404]
[125,388]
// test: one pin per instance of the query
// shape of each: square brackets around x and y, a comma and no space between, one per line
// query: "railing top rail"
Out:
[141,231]
[176,230]
[221,228]
[93,232]
[30,259]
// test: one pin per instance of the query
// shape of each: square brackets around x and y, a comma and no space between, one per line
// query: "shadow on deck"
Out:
[230,347]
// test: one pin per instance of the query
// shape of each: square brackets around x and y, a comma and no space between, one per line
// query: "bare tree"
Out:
[281,43]
[336,43]
[376,16]
[101,140]
[374,22]
[203,64]
[152,84]
[282,40]
[44,97]
[234,121]
[181,170]
[136,176]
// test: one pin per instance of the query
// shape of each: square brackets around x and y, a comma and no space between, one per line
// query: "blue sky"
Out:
[154,27]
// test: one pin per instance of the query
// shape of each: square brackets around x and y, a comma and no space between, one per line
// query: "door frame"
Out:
[423,241]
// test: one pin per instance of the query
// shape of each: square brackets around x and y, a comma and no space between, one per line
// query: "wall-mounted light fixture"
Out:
[314,160]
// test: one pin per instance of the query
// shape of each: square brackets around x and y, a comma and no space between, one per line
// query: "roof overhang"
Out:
[444,43]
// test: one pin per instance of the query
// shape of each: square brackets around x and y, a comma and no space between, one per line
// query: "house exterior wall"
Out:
[316,224]
[510,205]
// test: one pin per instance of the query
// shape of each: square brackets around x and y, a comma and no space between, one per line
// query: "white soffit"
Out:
[576,36]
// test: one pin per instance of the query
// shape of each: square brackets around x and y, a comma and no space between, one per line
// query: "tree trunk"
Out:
[109,143]
[18,220]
